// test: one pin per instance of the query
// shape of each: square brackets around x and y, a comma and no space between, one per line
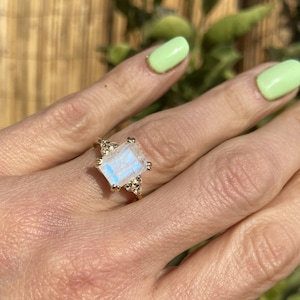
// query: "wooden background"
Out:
[48,48]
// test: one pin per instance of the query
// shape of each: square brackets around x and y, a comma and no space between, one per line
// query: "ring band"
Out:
[122,165]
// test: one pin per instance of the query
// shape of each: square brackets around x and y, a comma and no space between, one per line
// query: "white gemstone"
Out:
[123,164]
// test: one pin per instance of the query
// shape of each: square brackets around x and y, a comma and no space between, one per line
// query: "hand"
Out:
[65,235]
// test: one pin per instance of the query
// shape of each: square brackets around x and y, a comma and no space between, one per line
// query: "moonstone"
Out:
[123,164]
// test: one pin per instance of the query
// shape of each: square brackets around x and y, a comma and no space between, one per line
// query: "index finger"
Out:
[67,128]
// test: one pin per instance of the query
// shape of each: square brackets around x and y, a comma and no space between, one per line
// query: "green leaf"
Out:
[118,53]
[208,5]
[217,66]
[167,27]
[231,27]
[294,297]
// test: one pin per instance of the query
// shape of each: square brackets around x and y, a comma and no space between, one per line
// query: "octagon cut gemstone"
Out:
[123,164]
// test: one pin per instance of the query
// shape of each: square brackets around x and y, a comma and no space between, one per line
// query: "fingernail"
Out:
[168,55]
[279,79]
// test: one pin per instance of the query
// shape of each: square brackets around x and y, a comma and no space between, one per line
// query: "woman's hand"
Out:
[65,235]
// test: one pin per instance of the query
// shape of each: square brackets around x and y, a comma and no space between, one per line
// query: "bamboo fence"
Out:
[48,48]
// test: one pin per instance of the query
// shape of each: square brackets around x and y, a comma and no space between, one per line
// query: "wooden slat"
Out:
[47,50]
[271,31]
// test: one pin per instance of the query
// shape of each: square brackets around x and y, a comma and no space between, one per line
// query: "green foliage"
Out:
[117,53]
[159,28]
[232,27]
[218,66]
[213,53]
[213,57]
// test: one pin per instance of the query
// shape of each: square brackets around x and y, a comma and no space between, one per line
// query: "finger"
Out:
[231,182]
[67,128]
[172,140]
[248,259]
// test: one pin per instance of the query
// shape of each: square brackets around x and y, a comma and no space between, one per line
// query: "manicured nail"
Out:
[279,79]
[168,55]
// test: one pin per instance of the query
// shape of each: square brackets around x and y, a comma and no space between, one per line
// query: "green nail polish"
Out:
[169,55]
[279,79]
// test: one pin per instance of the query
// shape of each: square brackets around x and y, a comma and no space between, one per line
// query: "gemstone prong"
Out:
[98,162]
[130,140]
[115,188]
[149,165]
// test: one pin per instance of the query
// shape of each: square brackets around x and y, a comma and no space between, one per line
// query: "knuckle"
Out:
[126,89]
[68,117]
[268,250]
[237,105]
[236,178]
[242,110]
[162,148]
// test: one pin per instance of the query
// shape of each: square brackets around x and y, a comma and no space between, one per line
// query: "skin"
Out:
[64,235]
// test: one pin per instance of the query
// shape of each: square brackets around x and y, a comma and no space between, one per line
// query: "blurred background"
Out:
[49,49]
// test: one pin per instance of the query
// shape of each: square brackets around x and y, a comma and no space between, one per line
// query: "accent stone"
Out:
[123,164]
